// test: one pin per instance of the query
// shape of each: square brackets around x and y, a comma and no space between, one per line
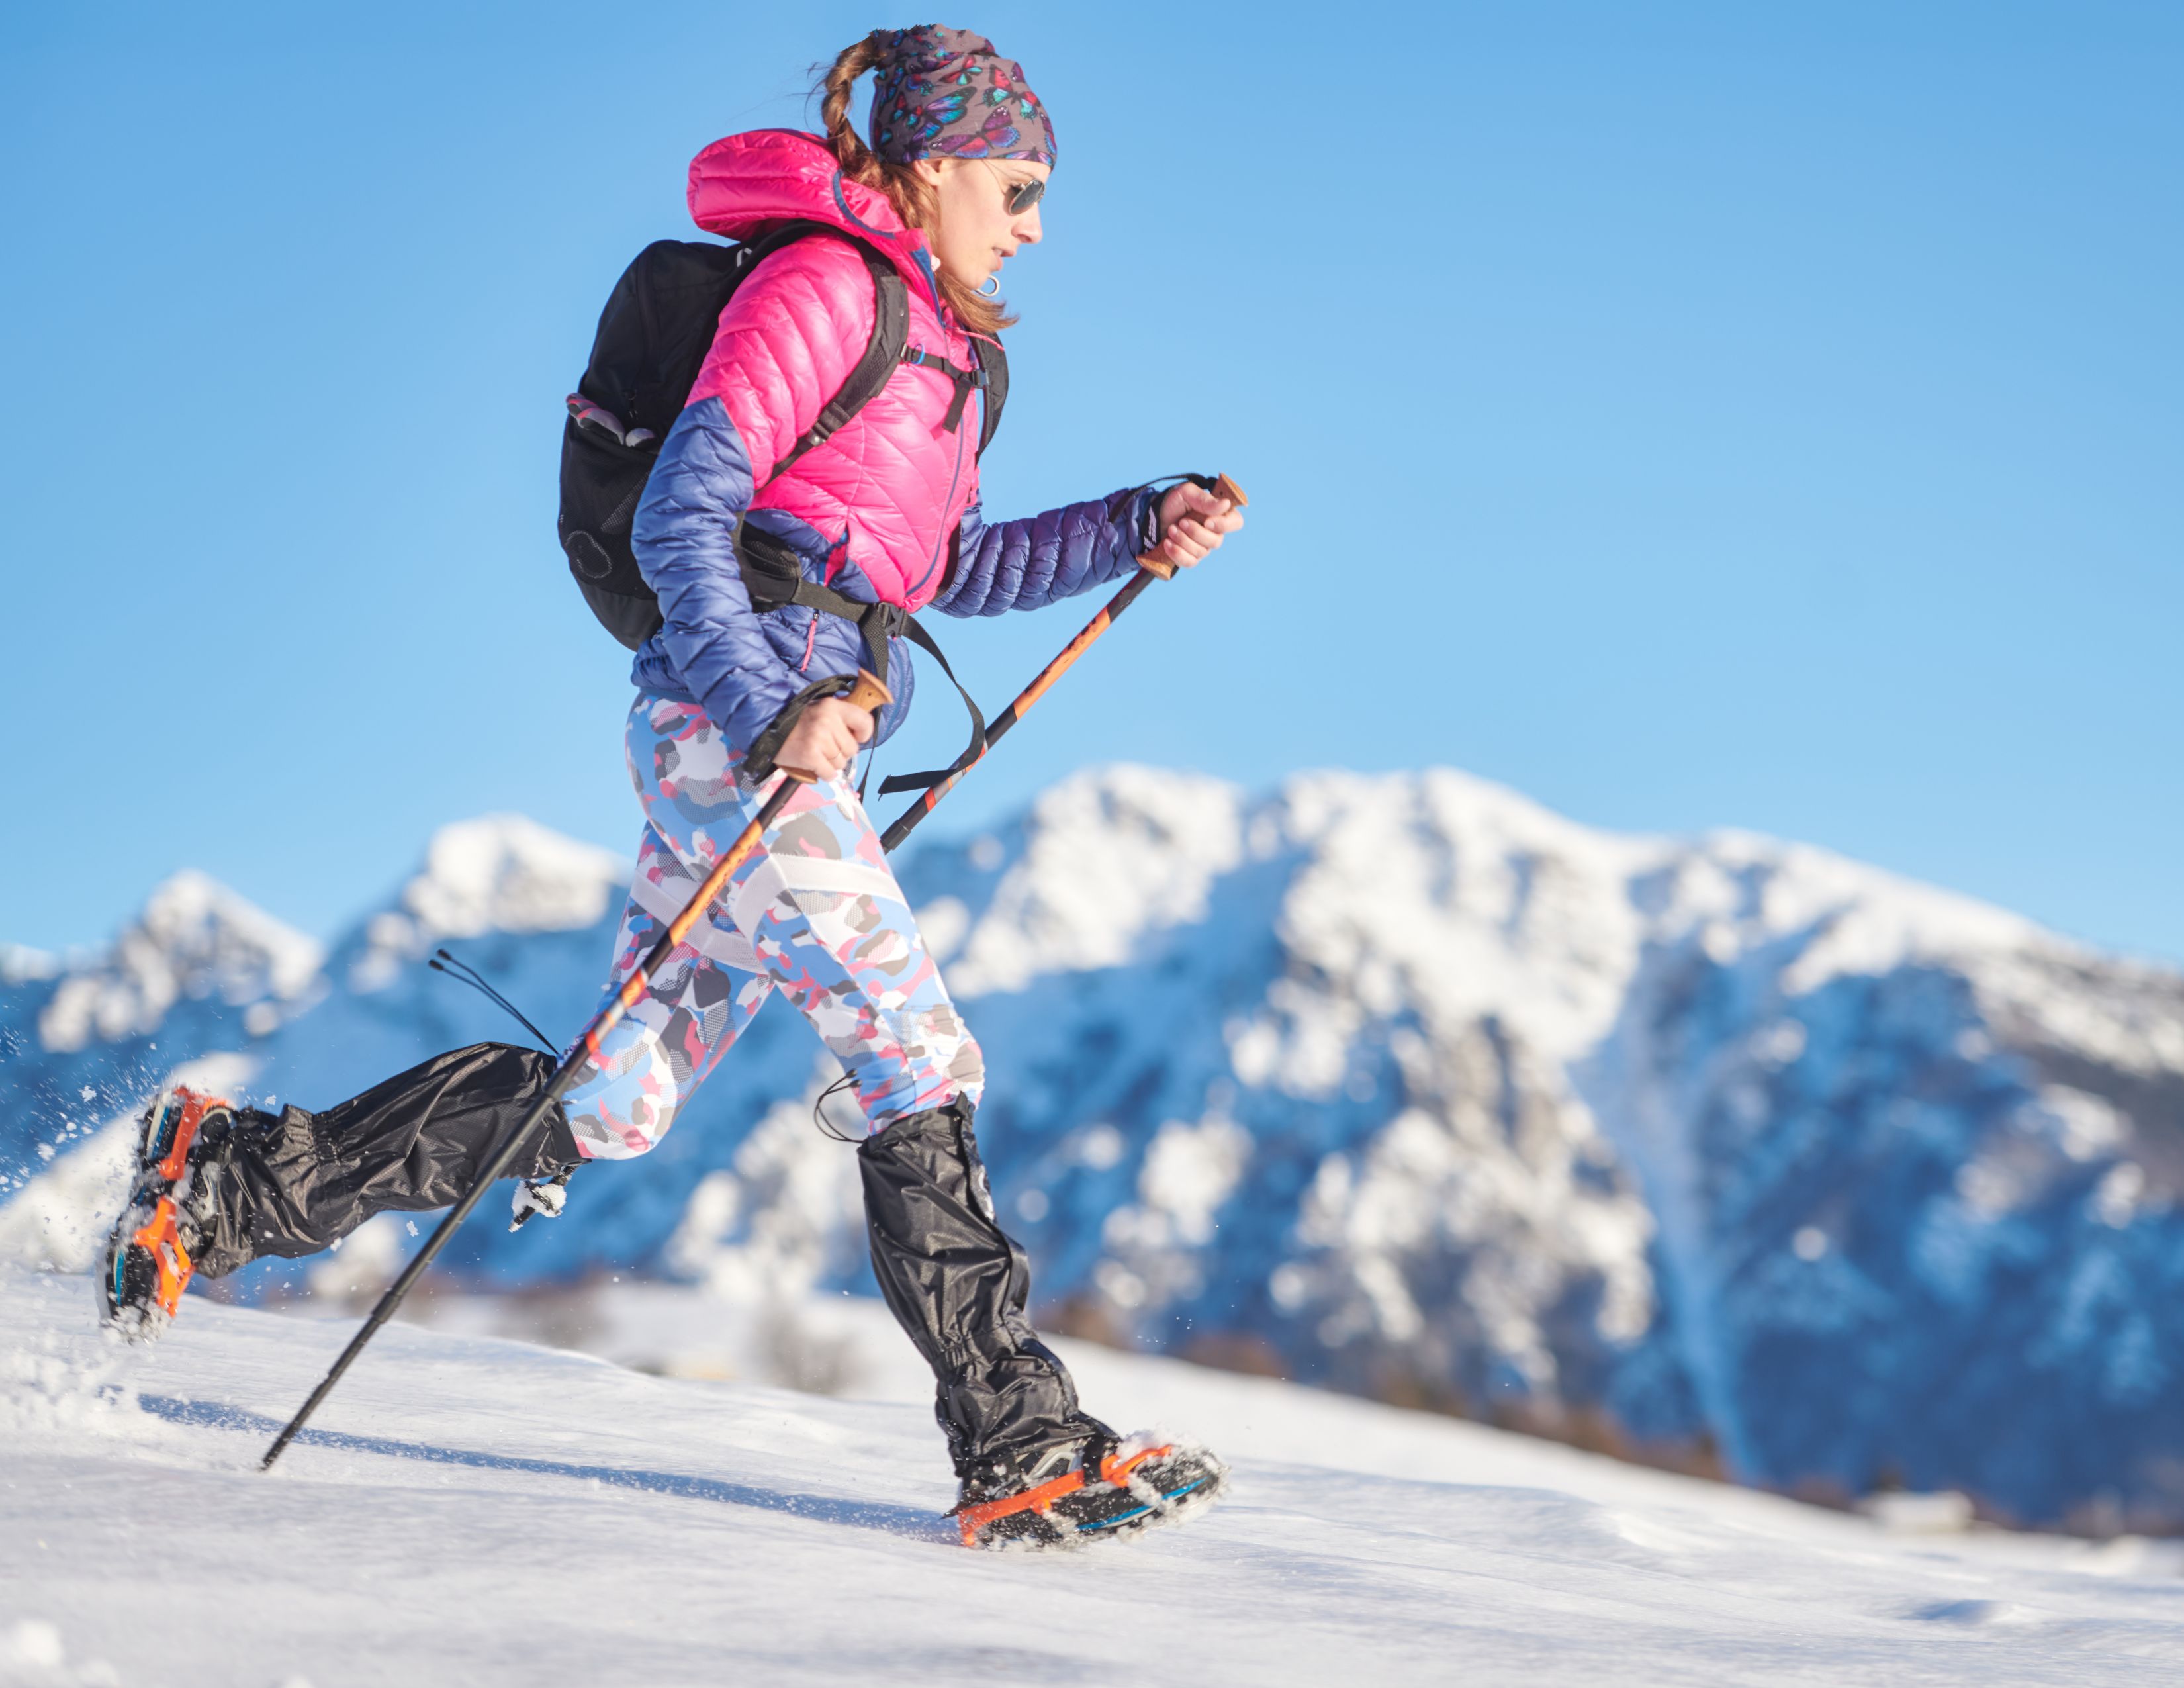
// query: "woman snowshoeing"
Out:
[884,512]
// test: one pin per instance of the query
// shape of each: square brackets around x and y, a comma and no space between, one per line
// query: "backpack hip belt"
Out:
[773,575]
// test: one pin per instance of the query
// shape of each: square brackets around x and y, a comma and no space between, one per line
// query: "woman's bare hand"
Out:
[825,739]
[1193,523]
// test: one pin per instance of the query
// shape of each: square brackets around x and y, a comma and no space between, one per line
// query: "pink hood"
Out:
[887,491]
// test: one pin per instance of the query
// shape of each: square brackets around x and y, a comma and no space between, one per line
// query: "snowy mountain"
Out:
[1721,1152]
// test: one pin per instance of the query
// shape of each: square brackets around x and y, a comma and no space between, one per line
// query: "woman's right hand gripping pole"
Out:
[826,738]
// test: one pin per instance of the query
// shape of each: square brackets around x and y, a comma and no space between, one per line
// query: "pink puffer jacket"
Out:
[885,511]
[896,481]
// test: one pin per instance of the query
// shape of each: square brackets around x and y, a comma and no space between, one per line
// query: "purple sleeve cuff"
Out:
[1035,561]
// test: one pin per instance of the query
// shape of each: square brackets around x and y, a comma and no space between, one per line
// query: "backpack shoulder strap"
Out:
[882,352]
[993,363]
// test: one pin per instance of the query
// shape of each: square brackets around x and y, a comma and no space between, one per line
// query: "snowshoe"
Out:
[1090,1491]
[179,1160]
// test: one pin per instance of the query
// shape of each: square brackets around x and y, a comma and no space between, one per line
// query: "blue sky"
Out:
[1693,415]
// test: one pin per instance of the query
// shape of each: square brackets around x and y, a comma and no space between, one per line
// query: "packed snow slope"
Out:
[1724,1149]
[483,1512]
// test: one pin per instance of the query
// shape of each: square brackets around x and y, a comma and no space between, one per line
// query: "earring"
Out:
[990,288]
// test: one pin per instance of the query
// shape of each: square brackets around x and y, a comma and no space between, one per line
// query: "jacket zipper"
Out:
[955,475]
[955,478]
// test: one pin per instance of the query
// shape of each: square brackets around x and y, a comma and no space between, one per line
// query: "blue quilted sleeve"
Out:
[1031,562]
[684,536]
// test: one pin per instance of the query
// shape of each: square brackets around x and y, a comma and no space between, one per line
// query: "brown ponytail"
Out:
[913,200]
[856,158]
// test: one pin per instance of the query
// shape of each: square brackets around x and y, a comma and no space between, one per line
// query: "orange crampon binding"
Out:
[1120,1494]
[148,1263]
[1113,1469]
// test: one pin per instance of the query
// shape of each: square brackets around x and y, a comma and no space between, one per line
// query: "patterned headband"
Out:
[945,93]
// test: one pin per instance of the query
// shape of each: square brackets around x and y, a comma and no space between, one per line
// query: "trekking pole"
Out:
[868,694]
[1150,566]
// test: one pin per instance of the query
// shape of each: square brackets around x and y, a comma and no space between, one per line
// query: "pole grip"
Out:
[868,695]
[1153,563]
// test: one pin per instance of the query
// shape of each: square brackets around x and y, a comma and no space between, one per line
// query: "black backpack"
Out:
[659,323]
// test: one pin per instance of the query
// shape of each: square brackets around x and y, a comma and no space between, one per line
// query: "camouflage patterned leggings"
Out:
[816,915]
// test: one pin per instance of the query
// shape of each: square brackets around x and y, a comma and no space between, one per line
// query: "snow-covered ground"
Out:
[470,1510]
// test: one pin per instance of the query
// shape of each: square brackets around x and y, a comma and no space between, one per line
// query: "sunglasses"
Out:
[1023,196]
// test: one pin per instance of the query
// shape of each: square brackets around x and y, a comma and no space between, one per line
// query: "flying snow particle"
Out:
[1810,1242]
[33,1643]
